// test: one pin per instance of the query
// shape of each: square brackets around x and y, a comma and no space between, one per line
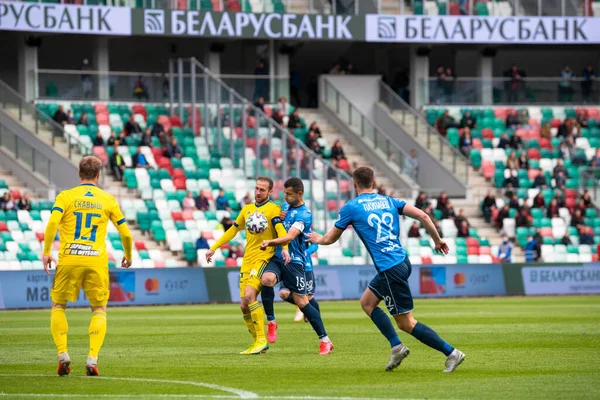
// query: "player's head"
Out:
[263,189]
[364,179]
[89,169]
[293,190]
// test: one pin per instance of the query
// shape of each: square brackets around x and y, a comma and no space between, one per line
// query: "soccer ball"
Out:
[256,223]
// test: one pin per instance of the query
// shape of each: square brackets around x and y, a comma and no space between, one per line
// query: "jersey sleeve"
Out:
[399,204]
[116,215]
[345,217]
[303,221]
[60,204]
[275,211]
[240,221]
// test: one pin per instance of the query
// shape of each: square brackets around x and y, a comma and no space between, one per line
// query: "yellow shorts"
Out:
[251,274]
[70,279]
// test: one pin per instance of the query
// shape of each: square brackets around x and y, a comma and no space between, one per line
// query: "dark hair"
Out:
[266,179]
[89,167]
[363,177]
[294,183]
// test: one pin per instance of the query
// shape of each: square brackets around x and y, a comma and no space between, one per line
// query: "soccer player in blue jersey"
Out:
[298,223]
[376,220]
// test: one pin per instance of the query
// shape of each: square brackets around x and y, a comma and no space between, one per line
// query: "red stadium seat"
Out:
[238,133]
[477,144]
[472,242]
[179,184]
[102,119]
[487,133]
[473,250]
[140,109]
[157,153]
[176,216]
[534,154]
[165,163]
[100,107]
[4,228]
[159,264]
[175,121]
[546,232]
[427,260]
[488,169]
[454,9]
[344,165]
[230,262]
[595,257]
[555,122]
[38,235]
[545,143]
[269,111]
[16,194]
[570,194]
[485,250]
[187,216]
[532,173]
[178,174]
[140,246]
[332,205]
[208,235]
[251,123]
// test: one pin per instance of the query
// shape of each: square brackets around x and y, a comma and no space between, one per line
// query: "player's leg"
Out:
[379,289]
[65,288]
[244,307]
[258,315]
[310,290]
[269,277]
[96,285]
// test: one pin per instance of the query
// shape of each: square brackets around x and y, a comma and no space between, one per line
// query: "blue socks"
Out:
[268,297]
[313,302]
[382,321]
[428,336]
[314,317]
[290,299]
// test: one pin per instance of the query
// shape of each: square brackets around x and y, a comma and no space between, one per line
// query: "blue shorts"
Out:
[292,276]
[391,286]
[310,283]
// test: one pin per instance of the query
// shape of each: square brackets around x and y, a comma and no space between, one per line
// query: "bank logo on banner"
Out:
[154,22]
[561,279]
[387,27]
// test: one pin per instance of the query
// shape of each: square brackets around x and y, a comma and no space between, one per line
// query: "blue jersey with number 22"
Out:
[376,220]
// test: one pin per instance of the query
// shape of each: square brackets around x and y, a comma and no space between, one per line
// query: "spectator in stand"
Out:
[514,83]
[582,119]
[188,203]
[139,159]
[560,167]
[505,250]
[235,251]
[538,201]
[116,163]
[512,119]
[515,142]
[512,162]
[24,203]
[278,118]
[440,75]
[566,239]
[174,149]
[132,127]
[422,202]
[468,121]
[595,162]
[122,139]
[350,70]
[283,106]
[449,213]
[264,150]
[222,203]
[565,129]
[577,220]
[449,84]
[552,211]
[337,152]
[147,138]
[312,143]
[226,222]
[336,70]
[6,202]
[581,207]
[163,139]
[225,119]
[504,142]
[60,117]
[514,202]
[294,121]
[489,203]
[331,172]
[157,128]
[560,198]
[523,218]
[565,88]
[540,181]
[531,253]
[508,193]
[547,130]
[502,214]
[261,86]
[523,161]
[589,76]
[140,91]
[413,232]
[458,220]
[587,198]
[202,243]
[512,181]
[567,148]
[411,165]
[260,104]
[381,190]
[586,235]
[463,231]
[442,202]
[560,181]
[98,140]
[445,122]
[314,127]
[466,142]
[247,199]
[111,140]
[523,119]
[70,119]
[202,203]
[83,119]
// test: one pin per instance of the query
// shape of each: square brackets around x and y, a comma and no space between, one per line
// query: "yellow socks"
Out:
[250,326]
[97,332]
[258,319]
[59,328]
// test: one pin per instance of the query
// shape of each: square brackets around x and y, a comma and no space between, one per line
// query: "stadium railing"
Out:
[121,86]
[500,91]
[367,129]
[409,116]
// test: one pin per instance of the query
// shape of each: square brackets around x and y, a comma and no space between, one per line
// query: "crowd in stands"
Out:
[8,202]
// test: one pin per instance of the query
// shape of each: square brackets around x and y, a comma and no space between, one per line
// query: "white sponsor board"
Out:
[562,279]
[42,17]
[475,29]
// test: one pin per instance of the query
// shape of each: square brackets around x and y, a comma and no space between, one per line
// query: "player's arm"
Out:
[58,211]
[312,249]
[427,223]
[227,236]
[119,221]
[334,233]
[283,238]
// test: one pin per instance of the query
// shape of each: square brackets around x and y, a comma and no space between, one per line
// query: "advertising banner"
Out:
[31,289]
[561,279]
[457,280]
[476,29]
[246,25]
[43,17]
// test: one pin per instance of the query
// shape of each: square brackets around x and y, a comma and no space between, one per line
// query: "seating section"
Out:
[543,154]
[452,7]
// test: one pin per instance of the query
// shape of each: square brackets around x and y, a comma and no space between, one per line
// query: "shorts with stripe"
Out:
[292,276]
[251,275]
[391,286]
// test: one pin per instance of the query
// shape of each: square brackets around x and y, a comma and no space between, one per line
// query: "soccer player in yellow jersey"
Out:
[82,215]
[255,260]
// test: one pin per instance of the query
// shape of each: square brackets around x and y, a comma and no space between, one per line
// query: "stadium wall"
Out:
[31,289]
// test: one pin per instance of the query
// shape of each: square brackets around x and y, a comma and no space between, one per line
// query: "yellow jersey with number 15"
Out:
[86,211]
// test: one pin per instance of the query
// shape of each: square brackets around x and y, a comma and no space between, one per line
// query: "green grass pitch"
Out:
[517,348]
